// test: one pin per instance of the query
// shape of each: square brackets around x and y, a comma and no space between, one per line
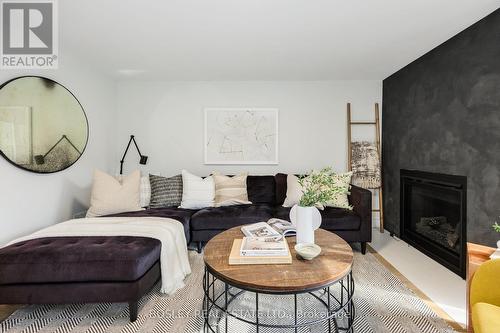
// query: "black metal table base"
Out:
[221,309]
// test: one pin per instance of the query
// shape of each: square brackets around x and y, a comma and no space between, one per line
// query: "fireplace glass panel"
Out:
[433,216]
[434,213]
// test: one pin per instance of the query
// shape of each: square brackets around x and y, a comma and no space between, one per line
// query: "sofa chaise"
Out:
[93,269]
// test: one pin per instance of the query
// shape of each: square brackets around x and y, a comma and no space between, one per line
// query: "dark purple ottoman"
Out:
[79,270]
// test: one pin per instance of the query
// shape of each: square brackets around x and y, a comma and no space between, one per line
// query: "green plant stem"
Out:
[319,188]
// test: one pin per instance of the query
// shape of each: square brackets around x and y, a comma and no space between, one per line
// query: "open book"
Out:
[272,228]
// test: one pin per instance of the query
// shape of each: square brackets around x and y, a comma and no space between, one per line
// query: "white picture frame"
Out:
[16,133]
[241,135]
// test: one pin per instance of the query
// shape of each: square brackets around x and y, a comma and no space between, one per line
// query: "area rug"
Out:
[383,304]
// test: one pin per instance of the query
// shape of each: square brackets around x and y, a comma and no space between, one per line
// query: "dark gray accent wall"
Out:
[441,113]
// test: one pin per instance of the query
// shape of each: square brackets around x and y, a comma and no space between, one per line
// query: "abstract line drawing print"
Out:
[241,136]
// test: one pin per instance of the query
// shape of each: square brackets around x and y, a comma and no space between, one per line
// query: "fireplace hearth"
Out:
[433,216]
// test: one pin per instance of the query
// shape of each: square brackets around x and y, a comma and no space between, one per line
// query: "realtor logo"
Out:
[29,34]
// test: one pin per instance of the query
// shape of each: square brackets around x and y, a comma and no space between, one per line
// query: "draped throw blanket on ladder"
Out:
[365,165]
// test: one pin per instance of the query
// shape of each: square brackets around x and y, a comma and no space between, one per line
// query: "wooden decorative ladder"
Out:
[375,123]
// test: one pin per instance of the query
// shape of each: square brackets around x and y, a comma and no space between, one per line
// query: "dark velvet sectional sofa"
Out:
[267,194]
[122,269]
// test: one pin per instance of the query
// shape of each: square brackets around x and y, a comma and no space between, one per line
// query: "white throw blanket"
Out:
[174,255]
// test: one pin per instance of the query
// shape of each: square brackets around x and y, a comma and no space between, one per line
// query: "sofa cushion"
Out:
[261,189]
[145,192]
[78,259]
[230,190]
[197,192]
[341,181]
[180,214]
[165,192]
[294,191]
[110,195]
[331,218]
[222,218]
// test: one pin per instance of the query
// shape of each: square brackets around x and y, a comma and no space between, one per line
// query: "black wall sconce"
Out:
[143,158]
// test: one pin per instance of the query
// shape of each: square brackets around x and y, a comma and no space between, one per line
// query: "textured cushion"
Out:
[110,196]
[261,189]
[197,192]
[293,191]
[230,216]
[165,192]
[331,218]
[280,180]
[486,317]
[230,191]
[179,214]
[343,181]
[78,259]
[145,191]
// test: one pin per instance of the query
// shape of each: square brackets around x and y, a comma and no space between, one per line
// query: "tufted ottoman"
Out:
[79,270]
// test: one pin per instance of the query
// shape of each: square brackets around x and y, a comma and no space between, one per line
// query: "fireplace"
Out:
[433,216]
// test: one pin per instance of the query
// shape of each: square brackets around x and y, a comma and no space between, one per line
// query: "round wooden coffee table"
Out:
[251,294]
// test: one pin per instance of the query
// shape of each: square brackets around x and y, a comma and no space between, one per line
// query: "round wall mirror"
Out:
[43,127]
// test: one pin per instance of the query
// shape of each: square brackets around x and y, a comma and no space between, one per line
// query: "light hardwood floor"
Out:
[7,310]
[443,287]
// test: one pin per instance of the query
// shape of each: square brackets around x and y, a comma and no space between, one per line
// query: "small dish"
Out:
[308,251]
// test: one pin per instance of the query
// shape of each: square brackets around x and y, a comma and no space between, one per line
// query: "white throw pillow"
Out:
[197,192]
[145,191]
[112,196]
[293,191]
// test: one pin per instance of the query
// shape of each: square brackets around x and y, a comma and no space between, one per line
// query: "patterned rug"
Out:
[383,304]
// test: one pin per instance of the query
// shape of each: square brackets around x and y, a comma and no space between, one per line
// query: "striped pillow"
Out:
[165,192]
[230,191]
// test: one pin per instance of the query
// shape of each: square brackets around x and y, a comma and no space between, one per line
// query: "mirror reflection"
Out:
[43,127]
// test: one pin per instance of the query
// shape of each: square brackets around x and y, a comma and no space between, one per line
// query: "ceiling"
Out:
[260,39]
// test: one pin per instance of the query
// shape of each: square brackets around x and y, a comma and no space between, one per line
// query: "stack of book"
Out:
[264,244]
[245,252]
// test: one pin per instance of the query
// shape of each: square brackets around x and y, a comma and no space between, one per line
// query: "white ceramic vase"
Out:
[306,220]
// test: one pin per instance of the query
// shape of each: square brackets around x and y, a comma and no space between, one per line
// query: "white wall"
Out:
[30,201]
[167,119]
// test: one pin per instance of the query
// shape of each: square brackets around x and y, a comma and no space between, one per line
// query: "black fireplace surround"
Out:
[433,216]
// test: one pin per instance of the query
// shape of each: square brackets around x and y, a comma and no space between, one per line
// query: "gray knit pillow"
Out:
[165,192]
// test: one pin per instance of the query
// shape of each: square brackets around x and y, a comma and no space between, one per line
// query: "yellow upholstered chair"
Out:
[485,298]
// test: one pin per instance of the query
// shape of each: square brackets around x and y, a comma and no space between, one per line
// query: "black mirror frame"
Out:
[84,114]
